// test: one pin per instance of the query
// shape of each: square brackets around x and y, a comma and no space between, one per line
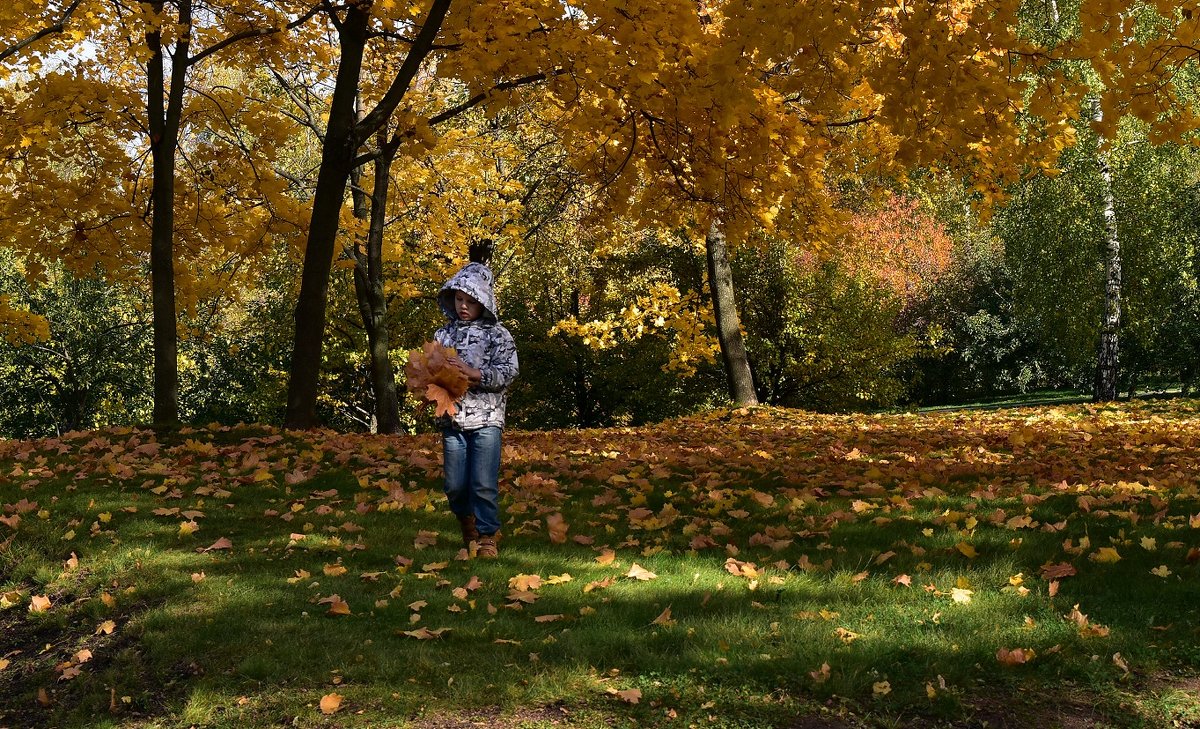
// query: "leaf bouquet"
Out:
[431,377]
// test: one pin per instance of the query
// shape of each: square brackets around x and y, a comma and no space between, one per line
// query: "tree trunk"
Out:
[1109,350]
[368,288]
[164,139]
[343,134]
[729,329]
[337,160]
[584,405]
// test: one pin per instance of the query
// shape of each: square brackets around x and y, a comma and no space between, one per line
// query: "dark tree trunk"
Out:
[368,288]
[343,135]
[164,138]
[337,161]
[584,405]
[1108,356]
[729,328]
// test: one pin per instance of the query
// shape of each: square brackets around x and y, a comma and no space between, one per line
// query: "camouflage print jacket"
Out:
[484,344]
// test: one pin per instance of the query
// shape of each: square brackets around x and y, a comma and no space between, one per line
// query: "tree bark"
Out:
[164,139]
[368,288]
[1108,355]
[729,328]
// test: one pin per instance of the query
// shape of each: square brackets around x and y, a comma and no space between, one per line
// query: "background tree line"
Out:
[226,211]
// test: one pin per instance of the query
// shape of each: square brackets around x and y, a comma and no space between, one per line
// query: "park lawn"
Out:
[745,568]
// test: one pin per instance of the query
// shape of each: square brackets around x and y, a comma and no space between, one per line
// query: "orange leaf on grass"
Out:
[1014,657]
[599,584]
[330,703]
[557,528]
[337,606]
[430,375]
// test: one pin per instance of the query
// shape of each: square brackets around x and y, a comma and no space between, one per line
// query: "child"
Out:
[471,439]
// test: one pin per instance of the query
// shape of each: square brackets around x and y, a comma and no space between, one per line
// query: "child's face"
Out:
[467,308]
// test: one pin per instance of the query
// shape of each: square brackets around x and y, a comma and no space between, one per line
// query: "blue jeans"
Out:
[471,460]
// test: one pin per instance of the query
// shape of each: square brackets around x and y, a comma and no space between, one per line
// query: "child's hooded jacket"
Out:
[483,344]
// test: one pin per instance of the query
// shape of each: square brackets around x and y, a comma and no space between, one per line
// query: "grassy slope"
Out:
[777,539]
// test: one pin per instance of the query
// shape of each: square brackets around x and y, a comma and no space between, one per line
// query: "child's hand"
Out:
[473,375]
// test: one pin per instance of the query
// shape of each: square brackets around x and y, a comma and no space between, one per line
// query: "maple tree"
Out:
[76,120]
[646,113]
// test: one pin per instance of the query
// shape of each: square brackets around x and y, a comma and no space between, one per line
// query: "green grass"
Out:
[239,637]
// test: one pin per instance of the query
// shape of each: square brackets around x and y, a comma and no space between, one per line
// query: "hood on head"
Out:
[475,280]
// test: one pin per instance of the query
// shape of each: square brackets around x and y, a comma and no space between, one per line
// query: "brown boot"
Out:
[469,532]
[488,548]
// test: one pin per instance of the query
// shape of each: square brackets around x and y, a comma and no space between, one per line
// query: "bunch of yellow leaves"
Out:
[431,377]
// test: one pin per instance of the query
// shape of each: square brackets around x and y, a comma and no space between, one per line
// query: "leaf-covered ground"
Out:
[760,568]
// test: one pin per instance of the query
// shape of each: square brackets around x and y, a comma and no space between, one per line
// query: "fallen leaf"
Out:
[1056,571]
[523,583]
[425,633]
[1105,555]
[631,696]
[599,584]
[1014,657]
[330,703]
[222,543]
[557,528]
[638,572]
[337,606]
[664,618]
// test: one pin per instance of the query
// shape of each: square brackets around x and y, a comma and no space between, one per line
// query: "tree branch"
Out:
[250,33]
[421,47]
[57,27]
